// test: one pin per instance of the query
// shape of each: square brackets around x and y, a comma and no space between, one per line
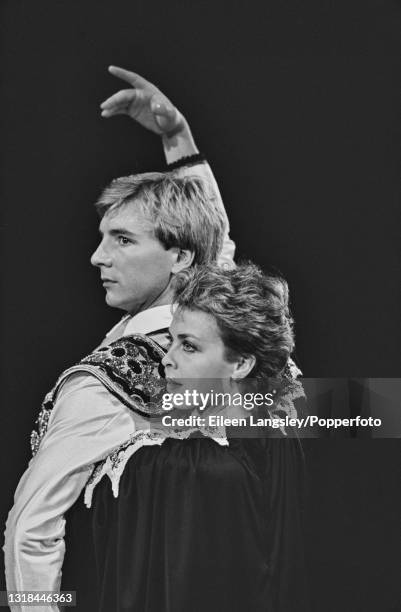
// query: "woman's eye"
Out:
[188,347]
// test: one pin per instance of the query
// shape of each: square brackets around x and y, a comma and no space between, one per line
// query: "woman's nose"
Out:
[168,360]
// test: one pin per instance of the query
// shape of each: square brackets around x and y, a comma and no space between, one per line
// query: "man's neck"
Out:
[119,329]
[164,299]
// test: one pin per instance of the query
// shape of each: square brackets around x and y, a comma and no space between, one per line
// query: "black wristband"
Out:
[188,160]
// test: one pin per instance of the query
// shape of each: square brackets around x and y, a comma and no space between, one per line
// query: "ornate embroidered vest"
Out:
[130,368]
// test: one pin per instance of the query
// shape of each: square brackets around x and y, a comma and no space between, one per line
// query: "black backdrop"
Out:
[296,106]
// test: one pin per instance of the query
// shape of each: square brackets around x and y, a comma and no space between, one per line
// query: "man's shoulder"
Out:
[161,337]
[132,362]
[129,368]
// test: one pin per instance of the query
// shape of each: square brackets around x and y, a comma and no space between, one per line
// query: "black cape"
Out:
[196,526]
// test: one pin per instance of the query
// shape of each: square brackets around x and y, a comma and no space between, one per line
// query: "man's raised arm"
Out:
[147,105]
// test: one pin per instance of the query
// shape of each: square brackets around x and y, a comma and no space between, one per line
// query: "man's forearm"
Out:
[183,146]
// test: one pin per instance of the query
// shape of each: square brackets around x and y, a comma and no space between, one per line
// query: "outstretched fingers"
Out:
[111,113]
[129,77]
[119,100]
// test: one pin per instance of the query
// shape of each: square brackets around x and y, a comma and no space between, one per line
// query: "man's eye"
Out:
[188,347]
[123,240]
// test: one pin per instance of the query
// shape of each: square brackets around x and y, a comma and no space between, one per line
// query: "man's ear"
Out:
[242,367]
[184,259]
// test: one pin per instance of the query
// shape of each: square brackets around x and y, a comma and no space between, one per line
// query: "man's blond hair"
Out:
[183,211]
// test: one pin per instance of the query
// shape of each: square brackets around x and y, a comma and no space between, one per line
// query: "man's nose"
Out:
[100,257]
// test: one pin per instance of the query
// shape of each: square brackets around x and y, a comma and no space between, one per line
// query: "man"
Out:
[152,227]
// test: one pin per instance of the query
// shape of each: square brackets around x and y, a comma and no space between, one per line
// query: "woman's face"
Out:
[196,358]
[197,350]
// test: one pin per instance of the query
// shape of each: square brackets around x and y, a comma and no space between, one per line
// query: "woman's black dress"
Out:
[196,527]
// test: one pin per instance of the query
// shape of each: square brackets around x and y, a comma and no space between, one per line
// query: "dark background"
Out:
[297,107]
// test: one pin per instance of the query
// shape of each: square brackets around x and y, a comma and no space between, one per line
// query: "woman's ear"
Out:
[184,259]
[242,367]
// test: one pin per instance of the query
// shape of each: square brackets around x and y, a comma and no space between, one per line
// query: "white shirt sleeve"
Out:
[86,423]
[226,258]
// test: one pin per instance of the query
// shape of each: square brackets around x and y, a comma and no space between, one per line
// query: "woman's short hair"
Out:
[250,309]
[184,211]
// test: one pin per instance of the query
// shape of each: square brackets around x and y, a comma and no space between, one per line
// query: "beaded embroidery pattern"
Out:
[130,368]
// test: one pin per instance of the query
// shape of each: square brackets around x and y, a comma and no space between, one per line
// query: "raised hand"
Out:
[144,103]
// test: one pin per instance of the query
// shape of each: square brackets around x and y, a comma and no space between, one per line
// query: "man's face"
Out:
[135,267]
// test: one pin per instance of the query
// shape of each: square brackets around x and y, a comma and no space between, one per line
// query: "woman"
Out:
[208,519]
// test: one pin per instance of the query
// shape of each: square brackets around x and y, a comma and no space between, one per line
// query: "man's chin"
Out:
[114,302]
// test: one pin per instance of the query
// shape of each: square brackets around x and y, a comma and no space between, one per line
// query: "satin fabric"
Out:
[196,526]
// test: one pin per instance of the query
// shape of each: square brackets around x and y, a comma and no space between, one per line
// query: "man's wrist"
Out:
[179,144]
[187,161]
